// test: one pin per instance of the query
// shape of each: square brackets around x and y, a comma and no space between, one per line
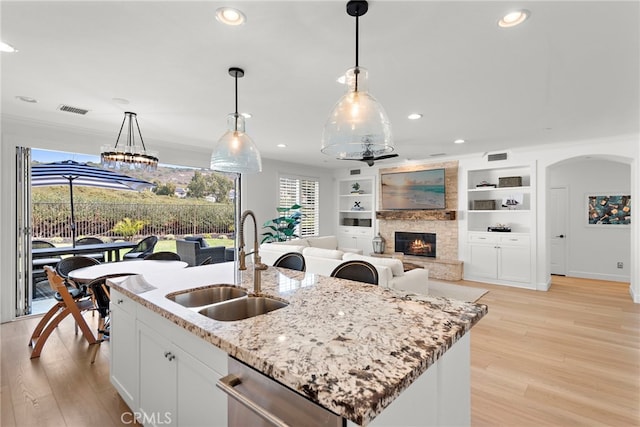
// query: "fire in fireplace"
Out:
[419,244]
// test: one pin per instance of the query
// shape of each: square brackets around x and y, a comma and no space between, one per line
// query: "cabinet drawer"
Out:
[123,302]
[514,240]
[482,238]
[356,231]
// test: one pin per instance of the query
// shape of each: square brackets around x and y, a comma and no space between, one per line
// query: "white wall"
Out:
[594,251]
[260,192]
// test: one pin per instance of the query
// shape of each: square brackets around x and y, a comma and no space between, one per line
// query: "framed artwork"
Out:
[609,210]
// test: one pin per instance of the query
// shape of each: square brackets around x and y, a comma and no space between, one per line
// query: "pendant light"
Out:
[134,154]
[235,151]
[358,127]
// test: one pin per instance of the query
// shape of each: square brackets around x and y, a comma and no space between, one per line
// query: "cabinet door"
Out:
[199,400]
[123,347]
[482,261]
[158,369]
[514,263]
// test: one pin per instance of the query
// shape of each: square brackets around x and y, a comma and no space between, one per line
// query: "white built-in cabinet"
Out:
[170,374]
[356,213]
[501,196]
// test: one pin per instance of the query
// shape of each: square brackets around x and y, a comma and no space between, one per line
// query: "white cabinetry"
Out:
[124,348]
[356,212]
[164,373]
[499,256]
[505,197]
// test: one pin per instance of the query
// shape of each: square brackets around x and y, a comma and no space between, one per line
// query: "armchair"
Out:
[192,253]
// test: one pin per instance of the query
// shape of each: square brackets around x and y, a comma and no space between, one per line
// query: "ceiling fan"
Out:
[369,157]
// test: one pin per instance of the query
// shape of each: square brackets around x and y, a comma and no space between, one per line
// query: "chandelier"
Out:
[133,155]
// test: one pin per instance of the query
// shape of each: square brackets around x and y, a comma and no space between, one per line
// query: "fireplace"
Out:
[419,244]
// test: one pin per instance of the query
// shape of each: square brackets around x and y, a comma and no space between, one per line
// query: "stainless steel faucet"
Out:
[258,266]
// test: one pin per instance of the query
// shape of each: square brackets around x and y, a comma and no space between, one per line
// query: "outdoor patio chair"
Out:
[193,253]
[292,261]
[66,303]
[69,264]
[38,263]
[360,271]
[144,248]
[99,256]
[163,256]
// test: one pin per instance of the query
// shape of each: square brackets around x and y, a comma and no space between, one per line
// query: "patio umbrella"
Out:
[74,173]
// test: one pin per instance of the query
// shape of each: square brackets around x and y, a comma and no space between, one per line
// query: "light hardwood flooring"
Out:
[566,357]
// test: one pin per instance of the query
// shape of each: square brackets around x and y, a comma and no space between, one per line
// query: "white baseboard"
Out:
[599,276]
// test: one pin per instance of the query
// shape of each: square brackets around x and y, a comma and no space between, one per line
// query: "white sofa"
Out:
[322,260]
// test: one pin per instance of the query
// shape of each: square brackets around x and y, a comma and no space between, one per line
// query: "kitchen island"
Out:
[352,348]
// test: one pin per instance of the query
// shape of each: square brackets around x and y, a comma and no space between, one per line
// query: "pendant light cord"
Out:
[236,114]
[356,71]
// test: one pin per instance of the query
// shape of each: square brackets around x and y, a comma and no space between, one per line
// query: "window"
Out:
[306,193]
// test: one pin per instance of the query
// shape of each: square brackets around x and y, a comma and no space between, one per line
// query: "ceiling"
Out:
[569,73]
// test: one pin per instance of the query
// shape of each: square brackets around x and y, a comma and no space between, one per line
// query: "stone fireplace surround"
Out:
[446,265]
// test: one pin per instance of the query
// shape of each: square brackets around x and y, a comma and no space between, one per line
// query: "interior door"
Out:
[557,220]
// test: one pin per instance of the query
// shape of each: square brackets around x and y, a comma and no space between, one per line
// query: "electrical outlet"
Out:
[620,264]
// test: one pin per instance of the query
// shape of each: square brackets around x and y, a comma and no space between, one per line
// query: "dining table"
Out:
[87,274]
[112,249]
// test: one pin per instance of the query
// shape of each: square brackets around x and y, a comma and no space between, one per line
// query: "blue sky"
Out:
[46,156]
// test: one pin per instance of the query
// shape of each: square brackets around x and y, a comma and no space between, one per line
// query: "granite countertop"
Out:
[348,346]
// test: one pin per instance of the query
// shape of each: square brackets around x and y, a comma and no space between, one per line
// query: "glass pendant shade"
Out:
[358,124]
[133,155]
[235,150]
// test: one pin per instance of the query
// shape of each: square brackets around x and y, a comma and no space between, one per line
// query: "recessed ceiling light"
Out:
[230,16]
[27,99]
[459,141]
[120,101]
[281,145]
[6,47]
[512,19]
[414,116]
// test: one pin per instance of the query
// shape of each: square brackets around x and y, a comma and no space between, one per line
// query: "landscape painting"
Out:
[424,189]
[609,210]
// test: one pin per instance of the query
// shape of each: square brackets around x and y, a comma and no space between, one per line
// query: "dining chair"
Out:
[91,241]
[144,248]
[102,297]
[64,267]
[360,271]
[163,256]
[292,261]
[66,304]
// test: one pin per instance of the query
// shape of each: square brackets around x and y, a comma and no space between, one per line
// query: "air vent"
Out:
[354,172]
[74,110]
[496,157]
[437,154]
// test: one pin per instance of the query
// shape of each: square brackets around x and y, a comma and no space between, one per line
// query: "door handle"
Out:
[227,385]
[561,236]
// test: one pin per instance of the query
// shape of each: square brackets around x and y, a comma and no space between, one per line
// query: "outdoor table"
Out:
[87,274]
[112,250]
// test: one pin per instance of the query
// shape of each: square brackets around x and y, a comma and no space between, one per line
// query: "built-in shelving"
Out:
[356,212]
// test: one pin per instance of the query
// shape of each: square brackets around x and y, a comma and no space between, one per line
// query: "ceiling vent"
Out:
[74,110]
[497,156]
[354,172]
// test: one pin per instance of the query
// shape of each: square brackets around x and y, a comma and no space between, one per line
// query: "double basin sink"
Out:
[226,302]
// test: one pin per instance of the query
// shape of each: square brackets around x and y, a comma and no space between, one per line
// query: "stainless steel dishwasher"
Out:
[256,400]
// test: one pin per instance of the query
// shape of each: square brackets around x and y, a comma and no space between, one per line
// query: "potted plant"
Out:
[356,188]
[283,227]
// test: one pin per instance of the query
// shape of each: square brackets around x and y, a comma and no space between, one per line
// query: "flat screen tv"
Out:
[424,189]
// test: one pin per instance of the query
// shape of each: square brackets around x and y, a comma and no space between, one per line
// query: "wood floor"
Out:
[566,357]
